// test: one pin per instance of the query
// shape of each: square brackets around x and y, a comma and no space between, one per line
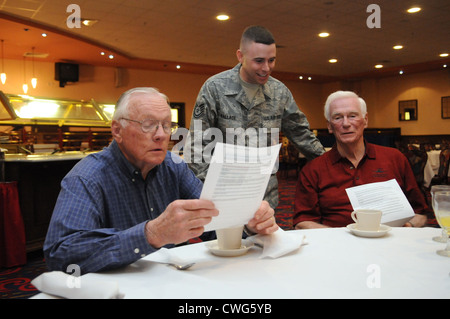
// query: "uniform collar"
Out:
[235,87]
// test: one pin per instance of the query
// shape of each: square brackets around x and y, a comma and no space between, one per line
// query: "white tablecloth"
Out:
[334,264]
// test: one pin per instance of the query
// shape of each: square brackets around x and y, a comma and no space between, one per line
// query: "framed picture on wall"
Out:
[445,107]
[407,110]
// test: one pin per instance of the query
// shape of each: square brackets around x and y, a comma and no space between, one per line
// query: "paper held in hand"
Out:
[385,196]
[236,181]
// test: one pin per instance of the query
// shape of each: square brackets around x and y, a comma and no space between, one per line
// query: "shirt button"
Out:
[136,250]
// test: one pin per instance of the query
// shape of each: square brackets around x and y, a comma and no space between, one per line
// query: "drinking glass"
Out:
[441,204]
[445,234]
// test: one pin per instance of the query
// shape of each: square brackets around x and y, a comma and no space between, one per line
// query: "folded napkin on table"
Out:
[279,243]
[175,256]
[60,284]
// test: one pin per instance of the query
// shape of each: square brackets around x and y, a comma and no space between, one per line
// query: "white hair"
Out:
[339,95]
[122,104]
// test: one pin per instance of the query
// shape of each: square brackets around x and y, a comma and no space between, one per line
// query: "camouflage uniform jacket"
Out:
[222,103]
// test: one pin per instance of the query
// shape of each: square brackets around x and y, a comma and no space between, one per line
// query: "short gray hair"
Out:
[339,95]
[123,102]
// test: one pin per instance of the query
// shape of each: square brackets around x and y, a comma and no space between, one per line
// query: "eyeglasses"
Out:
[152,126]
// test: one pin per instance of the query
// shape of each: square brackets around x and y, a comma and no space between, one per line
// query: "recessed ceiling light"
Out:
[111,56]
[309,78]
[44,35]
[397,47]
[102,53]
[301,77]
[178,66]
[88,22]
[414,10]
[324,34]
[332,60]
[378,66]
[443,55]
[222,17]
[400,72]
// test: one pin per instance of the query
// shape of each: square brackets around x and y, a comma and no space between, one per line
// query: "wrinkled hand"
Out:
[263,222]
[181,221]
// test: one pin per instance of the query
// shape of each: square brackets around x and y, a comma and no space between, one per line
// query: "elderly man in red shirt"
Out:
[321,199]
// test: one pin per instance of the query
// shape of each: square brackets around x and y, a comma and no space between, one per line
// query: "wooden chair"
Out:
[417,159]
[289,159]
[444,162]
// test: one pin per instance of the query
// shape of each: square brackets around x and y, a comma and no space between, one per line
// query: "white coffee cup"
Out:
[367,219]
[229,238]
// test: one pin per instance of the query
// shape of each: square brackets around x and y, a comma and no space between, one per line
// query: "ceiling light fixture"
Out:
[378,66]
[111,56]
[25,85]
[3,74]
[178,67]
[443,55]
[33,79]
[400,72]
[89,22]
[332,60]
[324,34]
[397,47]
[414,10]
[222,17]
[44,35]
[301,77]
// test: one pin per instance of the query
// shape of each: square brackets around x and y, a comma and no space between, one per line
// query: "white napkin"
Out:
[279,243]
[60,284]
[174,256]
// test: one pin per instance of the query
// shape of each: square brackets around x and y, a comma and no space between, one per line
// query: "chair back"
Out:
[417,159]
[444,161]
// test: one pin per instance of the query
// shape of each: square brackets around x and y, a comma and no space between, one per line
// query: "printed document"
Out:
[236,182]
[385,196]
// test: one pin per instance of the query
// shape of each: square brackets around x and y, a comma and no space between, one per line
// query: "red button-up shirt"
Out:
[320,193]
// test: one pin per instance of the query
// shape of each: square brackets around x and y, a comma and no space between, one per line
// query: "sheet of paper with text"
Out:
[236,181]
[385,196]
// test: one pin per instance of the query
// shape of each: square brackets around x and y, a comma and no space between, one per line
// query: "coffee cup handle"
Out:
[353,215]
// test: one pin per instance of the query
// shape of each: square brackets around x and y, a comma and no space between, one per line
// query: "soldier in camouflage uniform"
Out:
[248,97]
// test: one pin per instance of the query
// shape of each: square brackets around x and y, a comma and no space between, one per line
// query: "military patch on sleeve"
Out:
[199,110]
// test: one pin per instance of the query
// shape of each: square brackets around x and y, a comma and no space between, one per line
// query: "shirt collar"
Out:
[336,157]
[125,165]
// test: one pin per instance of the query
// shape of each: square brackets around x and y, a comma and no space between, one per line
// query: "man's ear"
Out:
[330,128]
[116,131]
[239,55]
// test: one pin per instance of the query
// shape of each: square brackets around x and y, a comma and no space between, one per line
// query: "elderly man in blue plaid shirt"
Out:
[127,201]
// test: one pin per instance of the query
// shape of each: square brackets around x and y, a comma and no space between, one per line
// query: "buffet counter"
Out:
[38,178]
[46,157]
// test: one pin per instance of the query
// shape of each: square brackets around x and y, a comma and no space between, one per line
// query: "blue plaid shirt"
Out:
[99,217]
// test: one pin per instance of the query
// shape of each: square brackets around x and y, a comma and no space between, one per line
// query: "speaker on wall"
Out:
[66,72]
